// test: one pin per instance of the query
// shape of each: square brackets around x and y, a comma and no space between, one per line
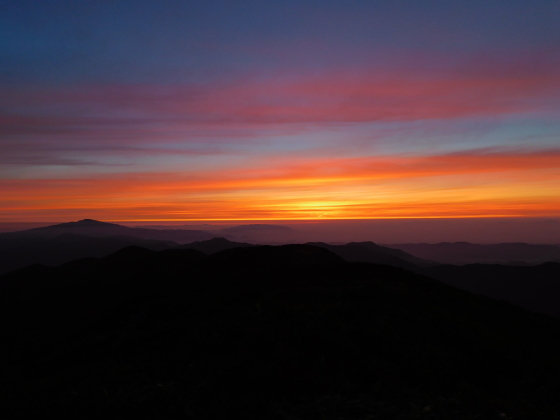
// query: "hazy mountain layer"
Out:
[467,253]
[18,251]
[57,244]
[214,245]
[373,253]
[95,228]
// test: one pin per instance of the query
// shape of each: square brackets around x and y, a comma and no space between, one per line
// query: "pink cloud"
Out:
[358,96]
[130,119]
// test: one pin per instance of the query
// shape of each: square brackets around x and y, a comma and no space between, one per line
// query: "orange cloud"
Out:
[453,185]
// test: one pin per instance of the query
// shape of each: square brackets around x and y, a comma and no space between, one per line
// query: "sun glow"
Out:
[467,185]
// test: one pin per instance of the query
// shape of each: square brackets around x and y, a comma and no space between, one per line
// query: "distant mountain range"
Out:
[535,287]
[262,234]
[18,251]
[372,253]
[443,253]
[95,228]
[214,245]
[466,253]
[57,244]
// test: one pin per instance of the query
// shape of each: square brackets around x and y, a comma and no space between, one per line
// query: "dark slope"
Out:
[536,288]
[19,251]
[265,333]
[95,228]
[372,253]
[467,253]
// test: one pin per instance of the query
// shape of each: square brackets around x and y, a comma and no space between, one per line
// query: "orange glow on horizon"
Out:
[444,186]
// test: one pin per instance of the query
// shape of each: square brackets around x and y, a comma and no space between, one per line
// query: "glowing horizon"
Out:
[453,185]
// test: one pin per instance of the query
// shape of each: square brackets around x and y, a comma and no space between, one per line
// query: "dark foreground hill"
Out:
[536,288]
[289,332]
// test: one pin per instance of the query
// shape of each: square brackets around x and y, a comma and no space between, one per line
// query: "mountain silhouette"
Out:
[460,253]
[84,223]
[536,288]
[265,332]
[372,253]
[214,245]
[18,251]
[89,227]
[270,257]
[57,244]
[260,234]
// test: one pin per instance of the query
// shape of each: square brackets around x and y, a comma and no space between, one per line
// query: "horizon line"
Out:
[300,219]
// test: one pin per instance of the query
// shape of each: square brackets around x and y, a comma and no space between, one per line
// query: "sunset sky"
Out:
[263,110]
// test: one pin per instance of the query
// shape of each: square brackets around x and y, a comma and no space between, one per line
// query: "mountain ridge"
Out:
[459,253]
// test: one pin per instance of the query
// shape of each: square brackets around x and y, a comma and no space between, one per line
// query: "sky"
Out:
[264,110]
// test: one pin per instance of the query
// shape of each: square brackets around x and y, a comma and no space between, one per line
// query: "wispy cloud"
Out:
[358,96]
[113,121]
